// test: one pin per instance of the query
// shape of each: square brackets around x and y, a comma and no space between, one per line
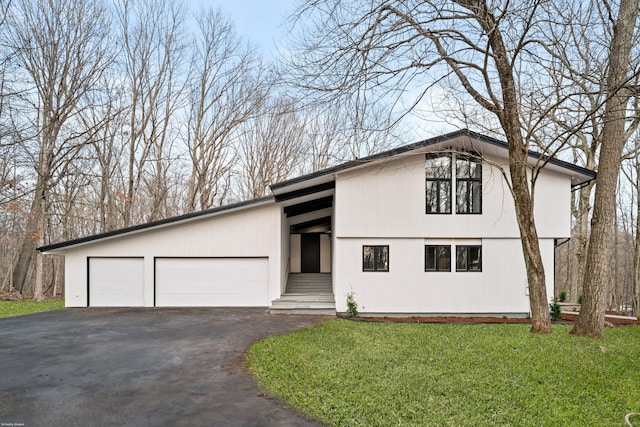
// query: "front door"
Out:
[310,256]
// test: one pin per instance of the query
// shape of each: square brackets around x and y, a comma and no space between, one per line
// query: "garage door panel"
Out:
[212,282]
[116,282]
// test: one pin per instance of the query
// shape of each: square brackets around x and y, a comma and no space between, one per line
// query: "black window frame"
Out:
[468,259]
[437,258]
[470,183]
[376,249]
[439,182]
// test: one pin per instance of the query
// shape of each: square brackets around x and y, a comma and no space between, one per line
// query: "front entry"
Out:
[310,253]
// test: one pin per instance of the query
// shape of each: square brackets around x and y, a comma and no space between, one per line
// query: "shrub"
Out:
[579,299]
[562,297]
[554,308]
[352,306]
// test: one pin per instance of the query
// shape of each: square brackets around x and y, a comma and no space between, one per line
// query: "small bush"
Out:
[579,299]
[554,308]
[352,306]
[562,297]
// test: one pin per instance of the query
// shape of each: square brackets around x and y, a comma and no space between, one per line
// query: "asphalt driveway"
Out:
[138,367]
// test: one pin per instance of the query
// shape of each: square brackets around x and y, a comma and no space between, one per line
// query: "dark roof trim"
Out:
[155,223]
[305,191]
[310,206]
[325,221]
[426,143]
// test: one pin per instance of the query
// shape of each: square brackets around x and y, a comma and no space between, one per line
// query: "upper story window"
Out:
[468,185]
[438,183]
[439,180]
[375,258]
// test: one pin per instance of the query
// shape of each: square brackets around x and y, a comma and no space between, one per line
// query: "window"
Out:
[468,185]
[438,184]
[375,258]
[468,258]
[437,258]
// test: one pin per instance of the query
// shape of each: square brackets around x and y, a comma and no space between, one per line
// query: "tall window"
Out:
[437,258]
[468,258]
[438,184]
[468,185]
[375,258]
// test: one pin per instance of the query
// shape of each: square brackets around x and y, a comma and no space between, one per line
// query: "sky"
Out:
[259,21]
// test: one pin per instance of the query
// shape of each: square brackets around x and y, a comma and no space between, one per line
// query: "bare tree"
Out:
[591,320]
[271,147]
[225,91]
[61,47]
[150,33]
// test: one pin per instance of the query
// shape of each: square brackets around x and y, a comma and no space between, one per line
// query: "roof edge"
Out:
[147,225]
[426,143]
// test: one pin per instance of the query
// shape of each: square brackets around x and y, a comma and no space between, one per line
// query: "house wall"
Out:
[501,286]
[393,195]
[295,253]
[250,232]
[385,205]
[325,253]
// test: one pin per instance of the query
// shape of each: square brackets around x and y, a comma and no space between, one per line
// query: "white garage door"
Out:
[116,282]
[212,282]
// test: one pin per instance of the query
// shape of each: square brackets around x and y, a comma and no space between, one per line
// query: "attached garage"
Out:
[116,282]
[211,282]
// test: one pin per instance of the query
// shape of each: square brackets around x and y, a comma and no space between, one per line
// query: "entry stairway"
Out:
[306,293]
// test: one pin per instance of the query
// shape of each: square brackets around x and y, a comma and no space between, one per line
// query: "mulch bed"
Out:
[566,319]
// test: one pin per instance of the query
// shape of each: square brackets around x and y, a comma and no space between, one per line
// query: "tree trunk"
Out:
[539,304]
[596,275]
[29,244]
[579,241]
[518,157]
[635,301]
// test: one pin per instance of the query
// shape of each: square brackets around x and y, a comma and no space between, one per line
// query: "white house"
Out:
[428,228]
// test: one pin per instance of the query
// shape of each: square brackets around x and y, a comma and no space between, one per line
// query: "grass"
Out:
[347,373]
[18,308]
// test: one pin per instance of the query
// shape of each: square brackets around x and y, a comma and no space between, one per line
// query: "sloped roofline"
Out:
[427,143]
[328,172]
[166,221]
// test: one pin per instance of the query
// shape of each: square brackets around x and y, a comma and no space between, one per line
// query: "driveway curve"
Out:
[138,367]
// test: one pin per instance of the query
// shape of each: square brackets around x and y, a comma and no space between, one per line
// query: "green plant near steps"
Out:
[562,297]
[554,308]
[352,306]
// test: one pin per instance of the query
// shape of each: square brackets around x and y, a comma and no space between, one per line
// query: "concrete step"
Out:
[307,297]
[303,303]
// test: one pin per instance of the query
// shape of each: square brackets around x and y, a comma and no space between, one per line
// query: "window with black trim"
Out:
[437,258]
[438,183]
[468,185]
[469,258]
[375,258]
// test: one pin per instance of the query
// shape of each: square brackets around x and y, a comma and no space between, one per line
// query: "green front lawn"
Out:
[18,308]
[381,374]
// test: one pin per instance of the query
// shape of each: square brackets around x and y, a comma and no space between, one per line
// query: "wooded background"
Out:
[115,113]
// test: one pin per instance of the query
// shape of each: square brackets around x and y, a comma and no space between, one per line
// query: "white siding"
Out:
[325,253]
[407,288]
[251,232]
[295,253]
[385,205]
[389,201]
